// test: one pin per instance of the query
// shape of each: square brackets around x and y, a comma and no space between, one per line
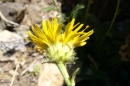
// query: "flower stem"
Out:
[64,73]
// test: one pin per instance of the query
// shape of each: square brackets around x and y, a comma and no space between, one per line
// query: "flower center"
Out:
[60,52]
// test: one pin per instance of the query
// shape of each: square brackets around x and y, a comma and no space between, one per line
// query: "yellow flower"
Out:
[59,45]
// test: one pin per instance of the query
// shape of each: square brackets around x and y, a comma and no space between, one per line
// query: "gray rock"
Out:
[13,12]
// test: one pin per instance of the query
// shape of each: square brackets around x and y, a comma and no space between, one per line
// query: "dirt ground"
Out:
[20,62]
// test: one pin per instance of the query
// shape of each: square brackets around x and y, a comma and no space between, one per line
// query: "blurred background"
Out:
[103,61]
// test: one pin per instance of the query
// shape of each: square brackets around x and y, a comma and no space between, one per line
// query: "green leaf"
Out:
[100,74]
[49,8]
[75,10]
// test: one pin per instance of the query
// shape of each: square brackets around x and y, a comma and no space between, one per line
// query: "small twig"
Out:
[17,66]
[8,21]
[11,22]
[28,67]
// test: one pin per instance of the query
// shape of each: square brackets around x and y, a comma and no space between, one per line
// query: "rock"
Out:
[10,40]
[35,12]
[50,75]
[13,12]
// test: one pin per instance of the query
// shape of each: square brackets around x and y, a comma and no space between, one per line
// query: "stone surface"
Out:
[50,75]
[10,40]
[13,12]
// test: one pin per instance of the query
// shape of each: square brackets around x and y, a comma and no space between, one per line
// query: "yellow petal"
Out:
[79,44]
[71,37]
[44,26]
[55,24]
[58,32]
[78,28]
[50,31]
[38,32]
[85,36]
[37,40]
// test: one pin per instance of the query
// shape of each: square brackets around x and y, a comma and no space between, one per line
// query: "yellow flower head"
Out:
[59,46]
